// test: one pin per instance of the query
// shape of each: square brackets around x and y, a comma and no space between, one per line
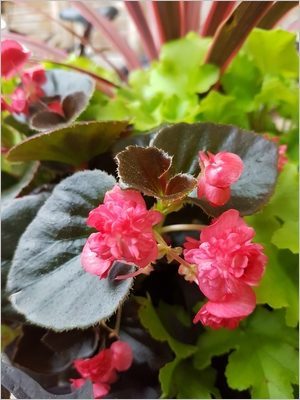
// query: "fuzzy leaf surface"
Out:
[72,145]
[47,282]
[148,169]
[257,182]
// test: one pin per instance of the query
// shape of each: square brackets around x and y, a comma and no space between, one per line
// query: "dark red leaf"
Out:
[233,32]
[167,16]
[135,10]
[218,12]
[275,13]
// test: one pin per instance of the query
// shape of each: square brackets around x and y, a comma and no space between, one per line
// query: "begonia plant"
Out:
[150,221]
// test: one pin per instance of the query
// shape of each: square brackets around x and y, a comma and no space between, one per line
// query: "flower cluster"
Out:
[30,91]
[218,173]
[102,369]
[228,264]
[125,233]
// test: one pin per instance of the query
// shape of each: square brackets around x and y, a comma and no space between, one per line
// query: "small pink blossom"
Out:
[282,149]
[19,103]
[13,58]
[218,173]
[102,369]
[32,80]
[225,256]
[230,311]
[124,233]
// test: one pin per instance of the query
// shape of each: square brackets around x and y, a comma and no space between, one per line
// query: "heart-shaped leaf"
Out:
[15,218]
[148,169]
[72,145]
[72,105]
[255,186]
[47,282]
[73,88]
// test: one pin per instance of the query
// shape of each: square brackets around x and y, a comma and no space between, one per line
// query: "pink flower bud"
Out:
[13,57]
[218,172]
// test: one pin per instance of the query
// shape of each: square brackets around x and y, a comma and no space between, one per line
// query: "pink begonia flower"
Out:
[125,233]
[19,103]
[282,149]
[13,58]
[102,368]
[218,173]
[32,80]
[230,311]
[225,256]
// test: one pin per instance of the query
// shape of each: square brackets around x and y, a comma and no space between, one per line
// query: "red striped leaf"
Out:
[276,13]
[233,32]
[111,33]
[168,18]
[218,12]
[135,11]
[190,16]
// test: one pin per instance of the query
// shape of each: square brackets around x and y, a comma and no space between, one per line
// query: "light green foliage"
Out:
[261,79]
[287,237]
[152,322]
[273,52]
[181,380]
[277,224]
[266,359]
[265,356]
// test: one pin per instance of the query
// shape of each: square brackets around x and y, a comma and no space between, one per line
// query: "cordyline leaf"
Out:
[167,17]
[275,13]
[37,46]
[190,16]
[73,145]
[46,281]
[15,217]
[218,12]
[184,141]
[234,31]
[136,12]
[73,88]
[147,169]
[22,386]
[108,29]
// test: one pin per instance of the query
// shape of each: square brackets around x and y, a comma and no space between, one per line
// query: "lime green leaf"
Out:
[242,80]
[222,109]
[194,384]
[266,359]
[278,287]
[181,380]
[166,378]
[284,202]
[214,343]
[74,144]
[273,51]
[185,53]
[287,237]
[151,321]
